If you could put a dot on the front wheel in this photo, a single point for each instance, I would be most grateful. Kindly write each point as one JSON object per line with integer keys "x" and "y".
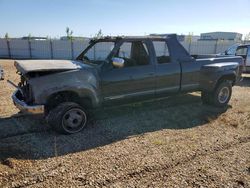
{"x": 67, "y": 118}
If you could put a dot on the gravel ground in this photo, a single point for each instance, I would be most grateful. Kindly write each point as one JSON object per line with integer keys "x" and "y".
{"x": 173, "y": 142}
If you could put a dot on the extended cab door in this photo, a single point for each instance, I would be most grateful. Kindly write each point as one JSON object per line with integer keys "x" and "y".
{"x": 168, "y": 72}
{"x": 136, "y": 78}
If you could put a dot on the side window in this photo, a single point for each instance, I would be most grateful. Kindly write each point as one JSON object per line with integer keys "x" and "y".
{"x": 134, "y": 53}
{"x": 162, "y": 52}
{"x": 242, "y": 51}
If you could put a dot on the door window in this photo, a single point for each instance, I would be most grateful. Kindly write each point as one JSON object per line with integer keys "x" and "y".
{"x": 134, "y": 53}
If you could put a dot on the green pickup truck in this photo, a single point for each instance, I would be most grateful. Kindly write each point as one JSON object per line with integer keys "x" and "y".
{"x": 129, "y": 69}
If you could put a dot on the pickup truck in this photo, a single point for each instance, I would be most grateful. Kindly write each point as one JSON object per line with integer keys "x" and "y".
{"x": 242, "y": 50}
{"x": 116, "y": 70}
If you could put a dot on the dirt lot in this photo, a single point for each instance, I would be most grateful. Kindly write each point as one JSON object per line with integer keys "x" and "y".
{"x": 173, "y": 142}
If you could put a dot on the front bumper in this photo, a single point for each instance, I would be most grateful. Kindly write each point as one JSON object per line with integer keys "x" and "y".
{"x": 23, "y": 107}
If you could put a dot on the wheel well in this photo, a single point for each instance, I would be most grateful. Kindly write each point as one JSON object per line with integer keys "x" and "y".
{"x": 230, "y": 77}
{"x": 66, "y": 96}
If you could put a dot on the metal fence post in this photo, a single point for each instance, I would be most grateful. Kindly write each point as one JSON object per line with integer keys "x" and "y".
{"x": 8, "y": 46}
{"x": 189, "y": 47}
{"x": 29, "y": 42}
{"x": 215, "y": 47}
{"x": 51, "y": 49}
{"x": 72, "y": 49}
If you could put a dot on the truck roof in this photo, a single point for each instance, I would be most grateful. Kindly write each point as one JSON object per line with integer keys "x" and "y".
{"x": 177, "y": 51}
{"x": 244, "y": 45}
{"x": 109, "y": 38}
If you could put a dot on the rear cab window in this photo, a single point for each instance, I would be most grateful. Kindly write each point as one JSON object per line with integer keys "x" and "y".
{"x": 162, "y": 52}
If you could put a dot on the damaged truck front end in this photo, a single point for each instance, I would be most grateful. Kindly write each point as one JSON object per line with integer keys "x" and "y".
{"x": 23, "y": 96}
{"x": 45, "y": 80}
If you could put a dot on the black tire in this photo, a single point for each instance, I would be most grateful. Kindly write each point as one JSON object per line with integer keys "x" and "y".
{"x": 67, "y": 118}
{"x": 222, "y": 101}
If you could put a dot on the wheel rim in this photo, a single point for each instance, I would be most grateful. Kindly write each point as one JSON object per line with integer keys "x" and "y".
{"x": 74, "y": 120}
{"x": 223, "y": 95}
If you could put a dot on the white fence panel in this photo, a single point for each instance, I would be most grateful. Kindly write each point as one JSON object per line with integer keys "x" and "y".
{"x": 61, "y": 49}
{"x": 4, "y": 48}
{"x": 79, "y": 46}
{"x": 41, "y": 49}
{"x": 203, "y": 47}
{"x": 19, "y": 48}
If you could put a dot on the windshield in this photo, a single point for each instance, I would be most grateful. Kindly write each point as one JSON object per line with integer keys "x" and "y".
{"x": 99, "y": 52}
{"x": 232, "y": 50}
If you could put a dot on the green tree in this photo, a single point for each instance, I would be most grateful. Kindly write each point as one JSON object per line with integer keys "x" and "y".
{"x": 98, "y": 35}
{"x": 6, "y": 36}
{"x": 29, "y": 36}
{"x": 247, "y": 37}
{"x": 189, "y": 37}
{"x": 69, "y": 33}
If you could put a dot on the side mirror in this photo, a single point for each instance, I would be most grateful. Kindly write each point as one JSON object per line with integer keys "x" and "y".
{"x": 117, "y": 62}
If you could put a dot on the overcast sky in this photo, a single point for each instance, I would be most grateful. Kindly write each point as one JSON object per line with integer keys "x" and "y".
{"x": 122, "y": 17}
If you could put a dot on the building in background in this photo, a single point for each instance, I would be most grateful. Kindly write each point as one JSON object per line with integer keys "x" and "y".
{"x": 73, "y": 37}
{"x": 34, "y": 38}
{"x": 232, "y": 36}
{"x": 180, "y": 38}
{"x": 26, "y": 38}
